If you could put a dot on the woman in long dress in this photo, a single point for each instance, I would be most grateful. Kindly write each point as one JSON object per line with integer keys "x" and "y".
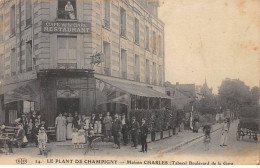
{"x": 60, "y": 124}
{"x": 69, "y": 126}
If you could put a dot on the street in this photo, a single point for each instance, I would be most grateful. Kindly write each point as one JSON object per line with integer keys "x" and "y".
{"x": 235, "y": 151}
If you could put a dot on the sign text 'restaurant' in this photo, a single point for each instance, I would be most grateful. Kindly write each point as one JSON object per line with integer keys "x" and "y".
{"x": 66, "y": 27}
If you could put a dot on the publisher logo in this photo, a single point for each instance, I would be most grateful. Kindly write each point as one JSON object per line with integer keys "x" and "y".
{"x": 21, "y": 161}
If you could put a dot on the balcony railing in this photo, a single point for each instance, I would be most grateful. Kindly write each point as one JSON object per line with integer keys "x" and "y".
{"x": 124, "y": 75}
{"x": 107, "y": 71}
{"x": 107, "y": 23}
{"x": 62, "y": 14}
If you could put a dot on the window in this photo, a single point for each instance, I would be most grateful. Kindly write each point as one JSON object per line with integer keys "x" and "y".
{"x": 28, "y": 12}
{"x": 154, "y": 42}
{"x": 67, "y": 9}
{"x": 137, "y": 68}
{"x": 67, "y": 47}
{"x": 12, "y": 20}
{"x": 136, "y": 31}
{"x": 160, "y": 45}
{"x": 1, "y": 28}
{"x": 147, "y": 70}
{"x": 147, "y": 40}
{"x": 29, "y": 55}
{"x": 154, "y": 74}
{"x": 13, "y": 62}
{"x": 107, "y": 14}
{"x": 123, "y": 22}
{"x": 107, "y": 70}
{"x": 168, "y": 93}
{"x": 160, "y": 75}
{"x": 124, "y": 64}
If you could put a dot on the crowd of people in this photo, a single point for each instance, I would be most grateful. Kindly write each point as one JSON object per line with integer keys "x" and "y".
{"x": 31, "y": 130}
{"x": 82, "y": 129}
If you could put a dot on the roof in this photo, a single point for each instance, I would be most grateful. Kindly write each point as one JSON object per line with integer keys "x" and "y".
{"x": 133, "y": 89}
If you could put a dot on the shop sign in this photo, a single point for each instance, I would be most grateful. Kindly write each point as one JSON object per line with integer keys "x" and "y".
{"x": 68, "y": 83}
{"x": 66, "y": 27}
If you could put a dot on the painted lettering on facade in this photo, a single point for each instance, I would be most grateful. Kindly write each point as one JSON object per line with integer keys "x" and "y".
{"x": 66, "y": 27}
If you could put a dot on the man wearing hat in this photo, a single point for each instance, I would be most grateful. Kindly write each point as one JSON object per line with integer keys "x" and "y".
{"x": 19, "y": 135}
{"x": 42, "y": 140}
{"x": 135, "y": 132}
{"x": 116, "y": 130}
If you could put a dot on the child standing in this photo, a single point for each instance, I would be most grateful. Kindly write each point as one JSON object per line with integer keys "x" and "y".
{"x": 42, "y": 140}
{"x": 75, "y": 138}
{"x": 81, "y": 138}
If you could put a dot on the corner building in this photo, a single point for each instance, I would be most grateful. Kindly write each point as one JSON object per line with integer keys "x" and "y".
{"x": 47, "y": 49}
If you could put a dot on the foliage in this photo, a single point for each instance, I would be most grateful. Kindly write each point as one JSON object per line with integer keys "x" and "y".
{"x": 234, "y": 95}
{"x": 156, "y": 119}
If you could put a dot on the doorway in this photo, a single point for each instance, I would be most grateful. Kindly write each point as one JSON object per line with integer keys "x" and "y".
{"x": 68, "y": 105}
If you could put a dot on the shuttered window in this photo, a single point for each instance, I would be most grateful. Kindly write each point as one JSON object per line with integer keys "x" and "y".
{"x": 28, "y": 12}
{"x": 136, "y": 31}
{"x": 67, "y": 47}
{"x": 29, "y": 56}
{"x": 12, "y": 20}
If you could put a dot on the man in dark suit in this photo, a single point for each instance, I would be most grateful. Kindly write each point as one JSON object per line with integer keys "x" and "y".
{"x": 144, "y": 132}
{"x": 18, "y": 136}
{"x": 135, "y": 132}
{"x": 116, "y": 130}
{"x": 125, "y": 129}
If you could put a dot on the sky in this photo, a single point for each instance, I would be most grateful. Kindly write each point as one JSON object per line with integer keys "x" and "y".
{"x": 212, "y": 39}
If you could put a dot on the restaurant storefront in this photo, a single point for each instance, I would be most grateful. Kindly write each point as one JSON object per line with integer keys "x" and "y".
{"x": 49, "y": 92}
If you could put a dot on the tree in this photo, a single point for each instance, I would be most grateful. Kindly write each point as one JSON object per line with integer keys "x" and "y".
{"x": 255, "y": 95}
{"x": 234, "y": 94}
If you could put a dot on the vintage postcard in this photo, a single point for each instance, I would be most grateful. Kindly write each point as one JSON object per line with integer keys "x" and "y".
{"x": 129, "y": 82}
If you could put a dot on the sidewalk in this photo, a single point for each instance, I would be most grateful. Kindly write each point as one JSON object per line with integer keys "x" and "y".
{"x": 158, "y": 147}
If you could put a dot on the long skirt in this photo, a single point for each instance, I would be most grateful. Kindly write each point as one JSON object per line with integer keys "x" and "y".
{"x": 69, "y": 131}
{"x": 61, "y": 133}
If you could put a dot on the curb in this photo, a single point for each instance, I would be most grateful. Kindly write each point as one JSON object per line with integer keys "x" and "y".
{"x": 184, "y": 143}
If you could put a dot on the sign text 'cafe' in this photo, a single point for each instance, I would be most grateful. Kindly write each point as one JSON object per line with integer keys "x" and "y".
{"x": 66, "y": 27}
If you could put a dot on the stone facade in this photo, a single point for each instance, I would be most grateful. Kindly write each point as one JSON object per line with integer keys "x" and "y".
{"x": 26, "y": 47}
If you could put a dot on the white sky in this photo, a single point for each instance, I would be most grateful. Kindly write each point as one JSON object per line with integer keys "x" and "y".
{"x": 215, "y": 39}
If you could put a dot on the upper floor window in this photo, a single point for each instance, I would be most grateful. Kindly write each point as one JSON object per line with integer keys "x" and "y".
{"x": 107, "y": 14}
{"x": 28, "y": 12}
{"x": 136, "y": 31}
{"x": 147, "y": 40}
{"x": 13, "y": 62}
{"x": 29, "y": 55}
{"x": 12, "y": 20}
{"x": 123, "y": 22}
{"x": 154, "y": 42}
{"x": 67, "y": 9}
{"x": 160, "y": 45}
{"x": 1, "y": 28}
{"x": 67, "y": 48}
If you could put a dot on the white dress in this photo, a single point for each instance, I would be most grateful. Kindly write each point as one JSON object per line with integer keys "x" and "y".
{"x": 75, "y": 138}
{"x": 81, "y": 136}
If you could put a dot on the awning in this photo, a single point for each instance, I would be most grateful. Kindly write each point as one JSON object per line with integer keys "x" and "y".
{"x": 26, "y": 90}
{"x": 132, "y": 88}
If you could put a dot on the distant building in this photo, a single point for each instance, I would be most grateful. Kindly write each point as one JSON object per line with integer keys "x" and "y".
{"x": 183, "y": 95}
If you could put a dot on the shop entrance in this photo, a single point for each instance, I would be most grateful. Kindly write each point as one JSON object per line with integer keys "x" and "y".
{"x": 68, "y": 105}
